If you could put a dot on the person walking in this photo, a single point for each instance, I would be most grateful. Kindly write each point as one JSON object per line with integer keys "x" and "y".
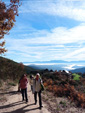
{"x": 31, "y": 82}
{"x": 37, "y": 85}
{"x": 19, "y": 89}
{"x": 23, "y": 86}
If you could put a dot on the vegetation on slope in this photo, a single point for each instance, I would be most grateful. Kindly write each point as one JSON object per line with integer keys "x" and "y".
{"x": 12, "y": 70}
{"x": 61, "y": 84}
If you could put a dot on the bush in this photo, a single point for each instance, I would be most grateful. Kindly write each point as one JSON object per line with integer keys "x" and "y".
{"x": 76, "y": 76}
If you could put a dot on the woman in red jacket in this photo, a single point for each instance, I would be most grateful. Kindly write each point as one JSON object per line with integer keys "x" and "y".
{"x": 23, "y": 86}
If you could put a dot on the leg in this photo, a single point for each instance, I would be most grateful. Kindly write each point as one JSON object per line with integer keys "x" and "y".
{"x": 26, "y": 95}
{"x": 32, "y": 89}
{"x": 40, "y": 101}
{"x": 35, "y": 97}
{"x": 22, "y": 91}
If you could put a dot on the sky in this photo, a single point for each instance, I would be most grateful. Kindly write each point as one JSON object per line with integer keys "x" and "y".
{"x": 48, "y": 30}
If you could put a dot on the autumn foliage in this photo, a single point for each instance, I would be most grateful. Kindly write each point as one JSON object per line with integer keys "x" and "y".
{"x": 66, "y": 90}
{"x": 7, "y": 19}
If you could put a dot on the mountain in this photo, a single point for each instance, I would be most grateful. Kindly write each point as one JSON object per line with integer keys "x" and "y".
{"x": 49, "y": 67}
{"x": 56, "y": 65}
{"x": 59, "y": 66}
{"x": 78, "y": 70}
{"x": 28, "y": 69}
{"x": 57, "y": 61}
{"x": 51, "y": 61}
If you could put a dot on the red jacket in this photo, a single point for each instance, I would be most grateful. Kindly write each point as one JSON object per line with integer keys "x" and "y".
{"x": 23, "y": 83}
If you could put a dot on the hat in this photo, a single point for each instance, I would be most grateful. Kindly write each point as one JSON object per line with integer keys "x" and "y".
{"x": 38, "y": 74}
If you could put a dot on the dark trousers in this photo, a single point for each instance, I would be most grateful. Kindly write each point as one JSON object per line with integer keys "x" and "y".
{"x": 35, "y": 97}
{"x": 24, "y": 94}
{"x": 32, "y": 88}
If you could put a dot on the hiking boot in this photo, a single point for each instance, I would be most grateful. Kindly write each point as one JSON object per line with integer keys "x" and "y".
{"x": 26, "y": 101}
{"x": 40, "y": 107}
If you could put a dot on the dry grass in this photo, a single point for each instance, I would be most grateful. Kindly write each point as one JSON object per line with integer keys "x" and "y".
{"x": 60, "y": 104}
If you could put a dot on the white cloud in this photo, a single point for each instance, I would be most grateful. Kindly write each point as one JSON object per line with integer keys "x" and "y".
{"x": 30, "y": 44}
{"x": 77, "y": 54}
{"x": 63, "y": 8}
{"x": 58, "y": 35}
{"x": 59, "y": 43}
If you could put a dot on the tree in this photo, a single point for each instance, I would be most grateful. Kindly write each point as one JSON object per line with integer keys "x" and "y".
{"x": 7, "y": 19}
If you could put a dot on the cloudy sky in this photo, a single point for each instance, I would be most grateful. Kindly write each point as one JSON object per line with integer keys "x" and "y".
{"x": 48, "y": 30}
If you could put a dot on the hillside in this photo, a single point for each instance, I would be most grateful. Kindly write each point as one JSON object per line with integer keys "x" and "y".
{"x": 62, "y": 92}
{"x": 79, "y": 70}
{"x": 63, "y": 84}
{"x": 12, "y": 70}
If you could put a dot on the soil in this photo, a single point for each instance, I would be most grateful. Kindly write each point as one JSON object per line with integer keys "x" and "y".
{"x": 11, "y": 102}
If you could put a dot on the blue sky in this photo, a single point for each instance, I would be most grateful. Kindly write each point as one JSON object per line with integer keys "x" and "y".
{"x": 48, "y": 30}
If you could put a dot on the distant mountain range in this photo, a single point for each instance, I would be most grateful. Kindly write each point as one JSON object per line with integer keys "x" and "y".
{"x": 74, "y": 66}
{"x": 78, "y": 70}
{"x": 58, "y": 67}
{"x": 49, "y": 67}
{"x": 56, "y": 61}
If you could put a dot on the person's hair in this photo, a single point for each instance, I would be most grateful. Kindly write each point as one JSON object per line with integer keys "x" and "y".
{"x": 31, "y": 76}
{"x": 23, "y": 76}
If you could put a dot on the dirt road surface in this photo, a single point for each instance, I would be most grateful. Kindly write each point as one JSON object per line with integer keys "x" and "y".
{"x": 14, "y": 103}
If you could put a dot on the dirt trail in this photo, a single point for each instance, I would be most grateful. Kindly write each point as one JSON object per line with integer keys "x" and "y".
{"x": 14, "y": 103}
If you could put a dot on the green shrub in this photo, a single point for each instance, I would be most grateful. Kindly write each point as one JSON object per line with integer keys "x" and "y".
{"x": 76, "y": 76}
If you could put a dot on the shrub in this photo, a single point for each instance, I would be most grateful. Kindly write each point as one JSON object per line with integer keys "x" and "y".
{"x": 76, "y": 76}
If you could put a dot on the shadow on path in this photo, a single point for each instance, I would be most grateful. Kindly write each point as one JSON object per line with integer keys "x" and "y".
{"x": 11, "y": 105}
{"x": 20, "y": 110}
{"x": 17, "y": 108}
{"x": 11, "y": 93}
